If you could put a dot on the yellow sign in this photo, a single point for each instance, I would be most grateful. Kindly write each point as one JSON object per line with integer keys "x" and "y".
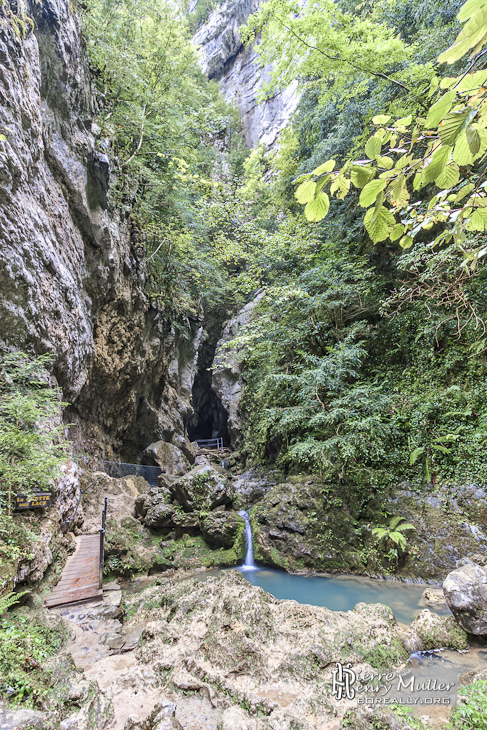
{"x": 24, "y": 501}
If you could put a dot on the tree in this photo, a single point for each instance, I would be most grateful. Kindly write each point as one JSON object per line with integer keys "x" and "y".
{"x": 446, "y": 148}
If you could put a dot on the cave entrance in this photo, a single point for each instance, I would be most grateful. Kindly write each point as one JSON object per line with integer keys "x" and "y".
{"x": 209, "y": 420}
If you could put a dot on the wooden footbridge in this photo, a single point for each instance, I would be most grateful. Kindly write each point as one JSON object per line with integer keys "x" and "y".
{"x": 82, "y": 577}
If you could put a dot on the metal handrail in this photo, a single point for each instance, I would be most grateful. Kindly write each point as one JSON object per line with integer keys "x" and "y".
{"x": 217, "y": 443}
{"x": 102, "y": 541}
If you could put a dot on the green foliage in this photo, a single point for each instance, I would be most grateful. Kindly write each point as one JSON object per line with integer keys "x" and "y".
{"x": 9, "y": 600}
{"x": 162, "y": 118}
{"x": 326, "y": 45}
{"x": 32, "y": 446}
{"x": 414, "y": 152}
{"x": 25, "y": 643}
{"x": 394, "y": 532}
{"x": 471, "y": 713}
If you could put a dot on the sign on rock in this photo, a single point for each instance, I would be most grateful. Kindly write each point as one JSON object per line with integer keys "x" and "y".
{"x": 40, "y": 499}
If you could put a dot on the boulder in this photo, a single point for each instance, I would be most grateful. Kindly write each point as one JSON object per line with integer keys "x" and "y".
{"x": 465, "y": 590}
{"x": 430, "y": 631}
{"x": 159, "y": 515}
{"x": 186, "y": 523}
{"x": 433, "y": 597}
{"x": 220, "y": 528}
{"x": 168, "y": 457}
{"x": 203, "y": 488}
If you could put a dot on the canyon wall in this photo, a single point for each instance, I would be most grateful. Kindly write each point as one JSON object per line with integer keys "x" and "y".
{"x": 241, "y": 74}
{"x": 72, "y": 283}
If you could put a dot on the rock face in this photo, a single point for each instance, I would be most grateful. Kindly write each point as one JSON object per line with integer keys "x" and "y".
{"x": 71, "y": 281}
{"x": 295, "y": 528}
{"x": 241, "y": 75}
{"x": 465, "y": 590}
{"x": 221, "y": 528}
{"x": 226, "y": 381}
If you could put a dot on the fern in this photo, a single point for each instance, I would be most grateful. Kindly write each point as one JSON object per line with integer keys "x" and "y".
{"x": 9, "y": 600}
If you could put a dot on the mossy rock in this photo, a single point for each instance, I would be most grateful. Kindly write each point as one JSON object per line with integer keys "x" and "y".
{"x": 430, "y": 631}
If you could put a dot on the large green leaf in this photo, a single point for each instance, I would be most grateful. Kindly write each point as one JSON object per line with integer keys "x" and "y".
{"x": 437, "y": 164}
{"x": 449, "y": 177}
{"x": 361, "y": 175}
{"x": 325, "y": 167}
{"x": 306, "y": 191}
{"x": 473, "y": 139}
{"x": 462, "y": 154}
{"x": 472, "y": 34}
{"x": 317, "y": 209}
{"x": 373, "y": 147}
{"x": 477, "y": 221}
{"x": 371, "y": 191}
{"x": 452, "y": 125}
{"x": 440, "y": 109}
{"x": 379, "y": 223}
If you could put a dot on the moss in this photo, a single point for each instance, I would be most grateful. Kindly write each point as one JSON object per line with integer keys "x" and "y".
{"x": 383, "y": 656}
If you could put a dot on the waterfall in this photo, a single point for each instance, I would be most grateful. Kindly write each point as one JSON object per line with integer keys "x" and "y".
{"x": 249, "y": 557}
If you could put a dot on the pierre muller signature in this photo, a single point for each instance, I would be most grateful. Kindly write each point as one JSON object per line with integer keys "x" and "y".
{"x": 346, "y": 683}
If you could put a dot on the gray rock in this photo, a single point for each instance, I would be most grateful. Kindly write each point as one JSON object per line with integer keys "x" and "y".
{"x": 168, "y": 457}
{"x": 226, "y": 370}
{"x": 220, "y": 528}
{"x": 241, "y": 75}
{"x": 71, "y": 282}
{"x": 465, "y": 590}
{"x": 20, "y": 719}
{"x": 203, "y": 488}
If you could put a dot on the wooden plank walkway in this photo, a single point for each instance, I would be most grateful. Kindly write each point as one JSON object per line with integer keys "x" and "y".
{"x": 80, "y": 577}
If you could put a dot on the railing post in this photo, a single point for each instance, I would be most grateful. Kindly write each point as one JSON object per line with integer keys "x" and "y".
{"x": 102, "y": 542}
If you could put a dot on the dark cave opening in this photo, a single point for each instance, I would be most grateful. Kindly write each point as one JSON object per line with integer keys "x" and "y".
{"x": 209, "y": 420}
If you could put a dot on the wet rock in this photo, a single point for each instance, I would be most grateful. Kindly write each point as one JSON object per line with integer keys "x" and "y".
{"x": 168, "y": 457}
{"x": 433, "y": 597}
{"x": 465, "y": 590}
{"x": 430, "y": 631}
{"x": 203, "y": 488}
{"x": 220, "y": 528}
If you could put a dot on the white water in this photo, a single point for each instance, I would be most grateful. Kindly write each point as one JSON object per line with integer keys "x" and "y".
{"x": 249, "y": 557}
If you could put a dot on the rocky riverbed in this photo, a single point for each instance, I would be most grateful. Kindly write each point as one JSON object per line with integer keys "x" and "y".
{"x": 219, "y": 653}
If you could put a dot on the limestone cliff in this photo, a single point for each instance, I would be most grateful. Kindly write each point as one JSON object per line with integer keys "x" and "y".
{"x": 71, "y": 280}
{"x": 241, "y": 74}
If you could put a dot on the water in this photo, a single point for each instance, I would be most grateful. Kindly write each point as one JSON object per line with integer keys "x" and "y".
{"x": 337, "y": 592}
{"x": 249, "y": 563}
